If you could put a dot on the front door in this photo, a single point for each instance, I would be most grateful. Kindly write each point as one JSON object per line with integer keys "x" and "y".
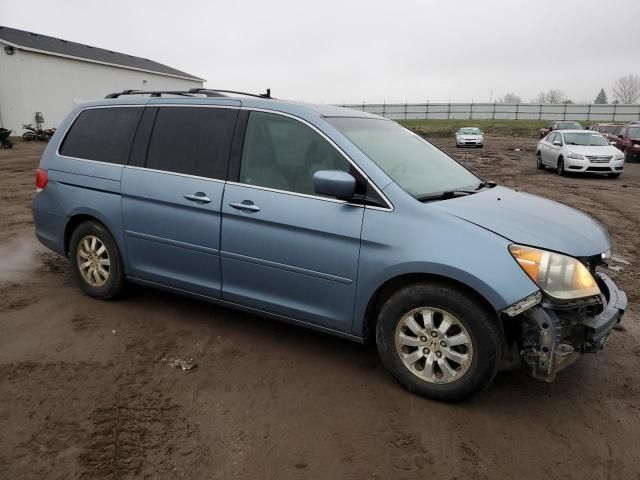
{"x": 171, "y": 198}
{"x": 284, "y": 249}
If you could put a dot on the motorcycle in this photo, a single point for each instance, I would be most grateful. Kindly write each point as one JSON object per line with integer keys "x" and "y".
{"x": 33, "y": 133}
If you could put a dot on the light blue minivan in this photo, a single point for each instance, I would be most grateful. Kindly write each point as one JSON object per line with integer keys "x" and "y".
{"x": 329, "y": 218}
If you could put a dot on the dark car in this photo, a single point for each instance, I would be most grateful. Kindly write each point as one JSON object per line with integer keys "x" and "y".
{"x": 559, "y": 125}
{"x": 610, "y": 131}
{"x": 628, "y": 141}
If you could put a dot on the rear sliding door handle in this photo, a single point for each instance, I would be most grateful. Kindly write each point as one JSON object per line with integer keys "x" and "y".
{"x": 246, "y": 205}
{"x": 199, "y": 197}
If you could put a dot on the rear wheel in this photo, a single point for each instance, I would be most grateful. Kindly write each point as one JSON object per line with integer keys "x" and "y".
{"x": 560, "y": 167}
{"x": 438, "y": 342}
{"x": 539, "y": 163}
{"x": 96, "y": 261}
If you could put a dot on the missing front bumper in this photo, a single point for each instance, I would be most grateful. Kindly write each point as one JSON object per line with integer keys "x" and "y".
{"x": 555, "y": 338}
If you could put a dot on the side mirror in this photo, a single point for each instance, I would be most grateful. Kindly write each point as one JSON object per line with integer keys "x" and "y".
{"x": 557, "y": 143}
{"x": 334, "y": 183}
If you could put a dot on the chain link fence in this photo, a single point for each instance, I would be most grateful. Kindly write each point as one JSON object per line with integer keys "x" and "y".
{"x": 501, "y": 111}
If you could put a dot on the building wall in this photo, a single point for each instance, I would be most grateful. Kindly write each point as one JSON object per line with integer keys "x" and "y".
{"x": 33, "y": 82}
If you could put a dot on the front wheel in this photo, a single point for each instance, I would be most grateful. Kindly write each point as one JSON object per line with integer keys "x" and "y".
{"x": 439, "y": 342}
{"x": 95, "y": 260}
{"x": 560, "y": 167}
{"x": 539, "y": 164}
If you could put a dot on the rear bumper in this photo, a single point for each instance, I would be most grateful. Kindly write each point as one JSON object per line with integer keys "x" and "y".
{"x": 49, "y": 227}
{"x": 555, "y": 337}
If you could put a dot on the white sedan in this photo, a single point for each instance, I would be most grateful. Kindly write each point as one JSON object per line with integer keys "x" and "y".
{"x": 579, "y": 151}
{"x": 469, "y": 137}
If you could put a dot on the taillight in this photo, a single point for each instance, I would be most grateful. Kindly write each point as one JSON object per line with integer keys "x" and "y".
{"x": 41, "y": 179}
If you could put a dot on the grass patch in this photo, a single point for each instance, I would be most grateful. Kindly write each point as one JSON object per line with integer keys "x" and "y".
{"x": 499, "y": 128}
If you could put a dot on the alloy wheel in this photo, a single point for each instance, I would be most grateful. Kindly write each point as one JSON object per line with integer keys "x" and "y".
{"x": 434, "y": 345}
{"x": 93, "y": 260}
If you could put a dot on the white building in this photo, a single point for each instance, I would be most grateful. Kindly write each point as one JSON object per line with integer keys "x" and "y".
{"x": 49, "y": 75}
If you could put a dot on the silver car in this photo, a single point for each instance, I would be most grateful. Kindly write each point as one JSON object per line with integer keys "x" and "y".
{"x": 579, "y": 151}
{"x": 469, "y": 137}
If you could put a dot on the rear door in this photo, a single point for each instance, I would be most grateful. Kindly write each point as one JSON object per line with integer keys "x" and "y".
{"x": 284, "y": 249}
{"x": 171, "y": 196}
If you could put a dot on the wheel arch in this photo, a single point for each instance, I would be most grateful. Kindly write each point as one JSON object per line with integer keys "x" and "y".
{"x": 392, "y": 285}
{"x": 80, "y": 217}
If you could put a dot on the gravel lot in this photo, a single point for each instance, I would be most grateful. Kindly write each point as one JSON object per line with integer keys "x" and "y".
{"x": 86, "y": 390}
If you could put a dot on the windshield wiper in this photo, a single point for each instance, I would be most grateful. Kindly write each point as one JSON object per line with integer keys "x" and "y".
{"x": 444, "y": 195}
{"x": 460, "y": 192}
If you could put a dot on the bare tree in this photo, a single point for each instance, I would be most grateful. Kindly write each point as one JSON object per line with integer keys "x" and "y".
{"x": 627, "y": 89}
{"x": 550, "y": 96}
{"x": 510, "y": 98}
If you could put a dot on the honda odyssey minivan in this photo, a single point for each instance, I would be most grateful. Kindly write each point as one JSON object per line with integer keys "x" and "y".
{"x": 330, "y": 218}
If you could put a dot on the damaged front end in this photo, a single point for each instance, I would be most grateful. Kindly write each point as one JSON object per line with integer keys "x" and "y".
{"x": 549, "y": 335}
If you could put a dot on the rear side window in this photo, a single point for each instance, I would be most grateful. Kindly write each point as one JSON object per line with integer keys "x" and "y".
{"x": 102, "y": 134}
{"x": 192, "y": 140}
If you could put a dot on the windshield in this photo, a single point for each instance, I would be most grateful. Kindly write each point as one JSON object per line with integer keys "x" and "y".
{"x": 413, "y": 163}
{"x": 469, "y": 131}
{"x": 634, "y": 132}
{"x": 586, "y": 139}
{"x": 569, "y": 126}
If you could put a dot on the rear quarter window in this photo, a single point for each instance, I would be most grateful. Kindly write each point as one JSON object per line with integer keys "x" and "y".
{"x": 102, "y": 134}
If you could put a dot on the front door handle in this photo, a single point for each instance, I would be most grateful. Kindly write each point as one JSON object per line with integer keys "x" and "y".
{"x": 246, "y": 205}
{"x": 199, "y": 197}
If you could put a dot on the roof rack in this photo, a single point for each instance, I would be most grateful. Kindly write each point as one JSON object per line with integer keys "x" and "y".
{"x": 267, "y": 94}
{"x": 209, "y": 92}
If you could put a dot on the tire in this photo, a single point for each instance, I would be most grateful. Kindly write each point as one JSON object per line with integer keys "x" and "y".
{"x": 86, "y": 245}
{"x": 560, "y": 167}
{"x": 469, "y": 320}
{"x": 28, "y": 136}
{"x": 539, "y": 163}
{"x": 614, "y": 175}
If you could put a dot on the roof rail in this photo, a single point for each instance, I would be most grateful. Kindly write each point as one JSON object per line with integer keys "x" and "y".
{"x": 159, "y": 93}
{"x": 209, "y": 92}
{"x": 267, "y": 94}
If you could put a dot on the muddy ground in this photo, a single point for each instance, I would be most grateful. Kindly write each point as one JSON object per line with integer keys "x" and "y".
{"x": 86, "y": 392}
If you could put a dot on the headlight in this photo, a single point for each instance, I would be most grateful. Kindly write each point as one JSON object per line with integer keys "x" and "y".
{"x": 560, "y": 276}
{"x": 619, "y": 156}
{"x": 575, "y": 155}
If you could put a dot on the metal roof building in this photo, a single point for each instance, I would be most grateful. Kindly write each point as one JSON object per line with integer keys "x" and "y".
{"x": 44, "y": 74}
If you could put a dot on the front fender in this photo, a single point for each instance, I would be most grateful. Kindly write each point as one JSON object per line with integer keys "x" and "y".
{"x": 426, "y": 241}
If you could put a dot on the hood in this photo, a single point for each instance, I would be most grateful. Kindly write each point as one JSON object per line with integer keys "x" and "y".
{"x": 593, "y": 150}
{"x": 530, "y": 220}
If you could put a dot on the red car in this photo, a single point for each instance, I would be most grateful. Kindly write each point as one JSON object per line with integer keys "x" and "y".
{"x": 610, "y": 131}
{"x": 559, "y": 125}
{"x": 629, "y": 141}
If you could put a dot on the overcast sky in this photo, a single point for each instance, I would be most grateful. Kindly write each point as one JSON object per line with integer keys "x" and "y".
{"x": 352, "y": 51}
